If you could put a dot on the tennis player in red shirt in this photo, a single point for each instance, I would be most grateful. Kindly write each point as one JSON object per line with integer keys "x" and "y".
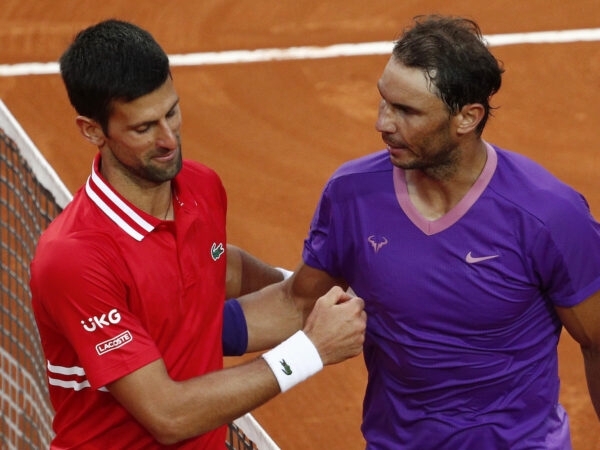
{"x": 129, "y": 282}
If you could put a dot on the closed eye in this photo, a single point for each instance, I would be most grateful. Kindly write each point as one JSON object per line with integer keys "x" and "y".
{"x": 146, "y": 126}
{"x": 143, "y": 128}
{"x": 404, "y": 108}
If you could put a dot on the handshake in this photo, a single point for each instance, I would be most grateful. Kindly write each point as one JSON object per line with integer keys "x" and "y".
{"x": 334, "y": 331}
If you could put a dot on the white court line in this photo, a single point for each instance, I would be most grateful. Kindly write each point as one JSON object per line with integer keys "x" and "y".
{"x": 309, "y": 52}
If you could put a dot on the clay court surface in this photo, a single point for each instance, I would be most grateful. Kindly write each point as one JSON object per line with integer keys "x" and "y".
{"x": 276, "y": 130}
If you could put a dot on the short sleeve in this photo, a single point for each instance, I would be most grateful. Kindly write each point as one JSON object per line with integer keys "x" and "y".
{"x": 80, "y": 286}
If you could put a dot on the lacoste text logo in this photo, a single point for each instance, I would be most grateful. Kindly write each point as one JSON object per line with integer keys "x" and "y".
{"x": 286, "y": 368}
{"x": 377, "y": 243}
{"x": 216, "y": 251}
{"x": 473, "y": 259}
{"x": 112, "y": 344}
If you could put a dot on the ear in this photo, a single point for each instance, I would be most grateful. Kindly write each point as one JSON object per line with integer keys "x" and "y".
{"x": 469, "y": 117}
{"x": 90, "y": 130}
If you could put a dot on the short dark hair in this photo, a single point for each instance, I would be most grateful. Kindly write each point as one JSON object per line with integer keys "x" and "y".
{"x": 112, "y": 60}
{"x": 455, "y": 58}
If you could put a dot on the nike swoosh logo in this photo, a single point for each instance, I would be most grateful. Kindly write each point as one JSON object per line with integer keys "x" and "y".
{"x": 475, "y": 259}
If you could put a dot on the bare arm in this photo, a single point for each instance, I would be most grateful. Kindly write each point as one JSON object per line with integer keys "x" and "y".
{"x": 246, "y": 273}
{"x": 173, "y": 411}
{"x": 308, "y": 284}
{"x": 583, "y": 323}
{"x": 290, "y": 302}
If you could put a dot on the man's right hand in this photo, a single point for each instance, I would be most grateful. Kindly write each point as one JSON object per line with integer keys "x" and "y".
{"x": 336, "y": 326}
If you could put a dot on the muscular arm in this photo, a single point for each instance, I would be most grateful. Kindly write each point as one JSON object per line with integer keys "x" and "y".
{"x": 173, "y": 411}
{"x": 246, "y": 273}
{"x": 290, "y": 302}
{"x": 583, "y": 323}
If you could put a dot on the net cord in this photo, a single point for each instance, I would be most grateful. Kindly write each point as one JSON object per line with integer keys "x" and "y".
{"x": 42, "y": 169}
{"x": 251, "y": 428}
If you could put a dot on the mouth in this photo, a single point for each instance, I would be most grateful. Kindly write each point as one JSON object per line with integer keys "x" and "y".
{"x": 167, "y": 157}
{"x": 399, "y": 152}
{"x": 392, "y": 144}
{"x": 395, "y": 148}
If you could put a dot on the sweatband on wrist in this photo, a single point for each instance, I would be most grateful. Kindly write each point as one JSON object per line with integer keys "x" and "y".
{"x": 286, "y": 273}
{"x": 294, "y": 360}
{"x": 235, "y": 329}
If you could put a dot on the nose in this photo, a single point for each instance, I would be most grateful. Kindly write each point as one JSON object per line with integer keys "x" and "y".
{"x": 167, "y": 136}
{"x": 385, "y": 123}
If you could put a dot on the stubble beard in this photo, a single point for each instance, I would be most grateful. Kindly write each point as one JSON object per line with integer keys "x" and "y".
{"x": 159, "y": 173}
{"x": 441, "y": 165}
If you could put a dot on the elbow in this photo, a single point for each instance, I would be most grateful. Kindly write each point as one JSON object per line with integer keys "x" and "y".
{"x": 166, "y": 432}
{"x": 590, "y": 350}
{"x": 169, "y": 433}
{"x": 170, "y": 428}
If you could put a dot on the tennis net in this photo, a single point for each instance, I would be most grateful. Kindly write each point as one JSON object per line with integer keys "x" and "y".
{"x": 31, "y": 195}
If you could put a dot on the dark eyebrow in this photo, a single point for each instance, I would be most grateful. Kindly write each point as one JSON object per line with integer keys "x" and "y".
{"x": 405, "y": 108}
{"x": 401, "y": 106}
{"x": 175, "y": 103}
{"x": 150, "y": 122}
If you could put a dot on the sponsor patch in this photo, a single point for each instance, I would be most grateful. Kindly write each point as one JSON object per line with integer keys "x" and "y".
{"x": 105, "y": 320}
{"x": 112, "y": 344}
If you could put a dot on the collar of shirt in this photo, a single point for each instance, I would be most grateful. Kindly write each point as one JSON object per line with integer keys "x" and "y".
{"x": 132, "y": 220}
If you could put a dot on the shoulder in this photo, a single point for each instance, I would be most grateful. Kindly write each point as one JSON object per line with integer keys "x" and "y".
{"x": 372, "y": 163}
{"x": 524, "y": 173}
{"x": 66, "y": 267}
{"x": 198, "y": 177}
{"x": 361, "y": 173}
{"x": 529, "y": 186}
{"x": 66, "y": 256}
{"x": 77, "y": 238}
{"x": 195, "y": 169}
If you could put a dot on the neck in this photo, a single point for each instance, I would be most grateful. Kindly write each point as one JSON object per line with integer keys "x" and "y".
{"x": 156, "y": 202}
{"x": 169, "y": 215}
{"x": 151, "y": 197}
{"x": 434, "y": 195}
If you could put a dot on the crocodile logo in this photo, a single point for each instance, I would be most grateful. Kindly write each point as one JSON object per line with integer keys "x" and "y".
{"x": 216, "y": 251}
{"x": 286, "y": 368}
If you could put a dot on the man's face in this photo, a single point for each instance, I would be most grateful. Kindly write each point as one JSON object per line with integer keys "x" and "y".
{"x": 143, "y": 139}
{"x": 414, "y": 122}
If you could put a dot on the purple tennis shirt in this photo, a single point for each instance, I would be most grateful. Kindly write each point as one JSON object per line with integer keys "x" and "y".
{"x": 461, "y": 346}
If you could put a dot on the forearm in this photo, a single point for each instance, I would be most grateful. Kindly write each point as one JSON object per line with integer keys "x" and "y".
{"x": 179, "y": 410}
{"x": 275, "y": 312}
{"x": 220, "y": 397}
{"x": 591, "y": 358}
{"x": 582, "y": 321}
{"x": 271, "y": 316}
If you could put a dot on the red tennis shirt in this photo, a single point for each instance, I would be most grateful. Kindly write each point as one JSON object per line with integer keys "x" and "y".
{"x": 114, "y": 289}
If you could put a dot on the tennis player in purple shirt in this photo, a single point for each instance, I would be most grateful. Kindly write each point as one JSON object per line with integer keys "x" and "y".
{"x": 470, "y": 259}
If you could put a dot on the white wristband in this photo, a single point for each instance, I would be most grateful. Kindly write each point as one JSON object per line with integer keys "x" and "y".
{"x": 286, "y": 273}
{"x": 294, "y": 360}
